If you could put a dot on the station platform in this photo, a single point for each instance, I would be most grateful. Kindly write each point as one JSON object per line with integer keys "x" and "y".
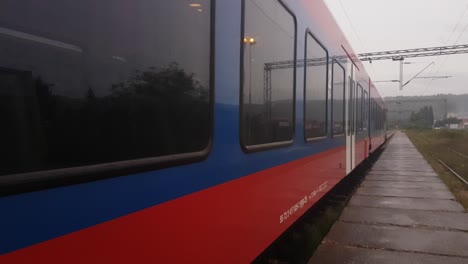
{"x": 402, "y": 213}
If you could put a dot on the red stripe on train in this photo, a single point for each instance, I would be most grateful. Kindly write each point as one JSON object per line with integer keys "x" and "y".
{"x": 228, "y": 223}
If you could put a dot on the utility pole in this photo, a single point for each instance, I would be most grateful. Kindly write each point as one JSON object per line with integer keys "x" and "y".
{"x": 401, "y": 74}
{"x": 401, "y": 59}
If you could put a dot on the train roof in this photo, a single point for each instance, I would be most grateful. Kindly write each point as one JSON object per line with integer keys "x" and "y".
{"x": 323, "y": 25}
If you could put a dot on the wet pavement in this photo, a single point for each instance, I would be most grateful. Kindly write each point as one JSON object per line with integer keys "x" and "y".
{"x": 401, "y": 213}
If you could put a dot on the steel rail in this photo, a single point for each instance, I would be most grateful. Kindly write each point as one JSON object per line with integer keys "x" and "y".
{"x": 456, "y": 152}
{"x": 453, "y": 172}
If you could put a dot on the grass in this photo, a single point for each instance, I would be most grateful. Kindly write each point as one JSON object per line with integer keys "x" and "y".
{"x": 440, "y": 144}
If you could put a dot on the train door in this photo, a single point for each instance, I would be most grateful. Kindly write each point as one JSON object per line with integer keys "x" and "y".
{"x": 351, "y": 120}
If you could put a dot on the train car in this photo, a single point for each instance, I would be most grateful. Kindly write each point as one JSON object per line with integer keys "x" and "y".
{"x": 172, "y": 131}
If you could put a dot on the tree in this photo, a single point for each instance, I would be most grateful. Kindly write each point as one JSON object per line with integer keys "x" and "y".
{"x": 424, "y": 118}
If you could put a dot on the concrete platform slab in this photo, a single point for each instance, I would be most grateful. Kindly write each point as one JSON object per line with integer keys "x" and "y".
{"x": 406, "y": 203}
{"x": 383, "y": 177}
{"x": 405, "y": 184}
{"x": 334, "y": 254}
{"x": 401, "y": 213}
{"x": 435, "y": 242}
{"x": 399, "y": 158}
{"x": 404, "y": 217}
{"x": 402, "y": 163}
{"x": 396, "y": 164}
{"x": 402, "y": 157}
{"x": 405, "y": 169}
{"x": 396, "y": 168}
{"x": 403, "y": 173}
{"x": 405, "y": 192}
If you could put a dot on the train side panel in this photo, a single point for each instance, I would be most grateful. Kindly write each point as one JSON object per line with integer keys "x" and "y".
{"x": 206, "y": 210}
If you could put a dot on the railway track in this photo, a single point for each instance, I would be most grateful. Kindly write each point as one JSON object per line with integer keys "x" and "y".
{"x": 453, "y": 172}
{"x": 458, "y": 153}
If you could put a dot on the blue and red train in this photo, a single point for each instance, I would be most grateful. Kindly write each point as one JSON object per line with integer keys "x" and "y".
{"x": 172, "y": 131}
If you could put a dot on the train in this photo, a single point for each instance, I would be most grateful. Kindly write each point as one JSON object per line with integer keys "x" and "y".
{"x": 190, "y": 131}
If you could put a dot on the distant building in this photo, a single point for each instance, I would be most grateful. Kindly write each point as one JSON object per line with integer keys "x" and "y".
{"x": 464, "y": 122}
{"x": 400, "y": 108}
{"x": 449, "y": 115}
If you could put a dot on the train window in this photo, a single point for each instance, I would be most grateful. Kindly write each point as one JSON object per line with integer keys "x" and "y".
{"x": 350, "y": 106}
{"x": 359, "y": 108}
{"x": 316, "y": 78}
{"x": 374, "y": 115}
{"x": 379, "y": 117}
{"x": 338, "y": 97}
{"x": 114, "y": 81}
{"x": 366, "y": 111}
{"x": 268, "y": 75}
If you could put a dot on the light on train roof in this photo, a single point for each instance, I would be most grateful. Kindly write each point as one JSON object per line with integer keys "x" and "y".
{"x": 252, "y": 41}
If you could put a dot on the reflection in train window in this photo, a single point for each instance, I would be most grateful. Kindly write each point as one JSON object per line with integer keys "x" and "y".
{"x": 338, "y": 99}
{"x": 316, "y": 68}
{"x": 267, "y": 97}
{"x": 116, "y": 80}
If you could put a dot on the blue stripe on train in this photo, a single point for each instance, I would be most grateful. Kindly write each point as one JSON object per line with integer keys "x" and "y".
{"x": 34, "y": 217}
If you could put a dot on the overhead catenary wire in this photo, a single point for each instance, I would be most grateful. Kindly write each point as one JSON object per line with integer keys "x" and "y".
{"x": 446, "y": 43}
{"x": 417, "y": 74}
{"x": 375, "y": 56}
{"x": 357, "y": 35}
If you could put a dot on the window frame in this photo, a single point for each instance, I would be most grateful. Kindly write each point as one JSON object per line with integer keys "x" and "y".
{"x": 336, "y": 62}
{"x": 308, "y": 33}
{"x": 272, "y": 145}
{"x": 45, "y": 179}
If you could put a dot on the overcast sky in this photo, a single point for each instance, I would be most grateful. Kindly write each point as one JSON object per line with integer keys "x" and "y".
{"x": 379, "y": 25}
